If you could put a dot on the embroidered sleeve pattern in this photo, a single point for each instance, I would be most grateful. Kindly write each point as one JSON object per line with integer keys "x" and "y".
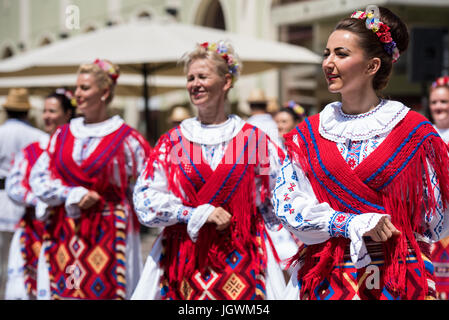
{"x": 338, "y": 224}
{"x": 155, "y": 205}
{"x": 51, "y": 191}
{"x": 15, "y": 187}
{"x": 266, "y": 208}
{"x": 297, "y": 207}
{"x": 435, "y": 219}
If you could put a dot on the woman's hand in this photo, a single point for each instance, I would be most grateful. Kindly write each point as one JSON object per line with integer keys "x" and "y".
{"x": 220, "y": 217}
{"x": 89, "y": 200}
{"x": 383, "y": 231}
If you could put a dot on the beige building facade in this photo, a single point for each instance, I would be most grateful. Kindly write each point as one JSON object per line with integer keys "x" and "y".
{"x": 28, "y": 24}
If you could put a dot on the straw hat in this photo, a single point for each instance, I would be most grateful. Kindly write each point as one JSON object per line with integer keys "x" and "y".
{"x": 257, "y": 96}
{"x": 179, "y": 114}
{"x": 273, "y": 105}
{"x": 17, "y": 100}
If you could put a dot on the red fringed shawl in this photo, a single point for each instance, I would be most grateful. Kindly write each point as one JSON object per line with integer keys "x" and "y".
{"x": 394, "y": 179}
{"x": 231, "y": 186}
{"x": 94, "y": 243}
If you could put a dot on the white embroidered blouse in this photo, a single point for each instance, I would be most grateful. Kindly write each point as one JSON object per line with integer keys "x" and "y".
{"x": 87, "y": 137}
{"x": 156, "y": 206}
{"x": 14, "y": 183}
{"x": 356, "y": 137}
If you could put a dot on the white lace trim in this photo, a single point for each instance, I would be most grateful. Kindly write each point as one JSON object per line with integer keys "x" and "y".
{"x": 339, "y": 127}
{"x": 82, "y": 130}
{"x": 211, "y": 134}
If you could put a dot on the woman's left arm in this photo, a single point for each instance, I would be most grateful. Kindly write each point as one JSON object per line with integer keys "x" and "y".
{"x": 275, "y": 157}
{"x": 436, "y": 219}
{"x": 15, "y": 182}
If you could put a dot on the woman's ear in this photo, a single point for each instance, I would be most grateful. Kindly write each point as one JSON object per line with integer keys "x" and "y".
{"x": 106, "y": 94}
{"x": 228, "y": 82}
{"x": 373, "y": 66}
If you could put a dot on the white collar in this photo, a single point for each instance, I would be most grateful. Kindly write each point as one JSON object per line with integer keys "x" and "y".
{"x": 211, "y": 134}
{"x": 444, "y": 133}
{"x": 82, "y": 130}
{"x": 43, "y": 141}
{"x": 339, "y": 127}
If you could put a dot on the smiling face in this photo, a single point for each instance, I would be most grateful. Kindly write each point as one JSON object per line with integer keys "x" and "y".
{"x": 345, "y": 65}
{"x": 439, "y": 106}
{"x": 285, "y": 122}
{"x": 54, "y": 115}
{"x": 89, "y": 96}
{"x": 206, "y": 88}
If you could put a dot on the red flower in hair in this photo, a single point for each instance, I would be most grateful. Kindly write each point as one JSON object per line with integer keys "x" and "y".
{"x": 385, "y": 38}
{"x": 205, "y": 45}
{"x": 384, "y": 34}
{"x": 383, "y": 28}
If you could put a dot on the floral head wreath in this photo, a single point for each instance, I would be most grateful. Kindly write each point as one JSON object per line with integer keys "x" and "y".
{"x": 441, "y": 82}
{"x": 108, "y": 68}
{"x": 382, "y": 31}
{"x": 296, "y": 108}
{"x": 68, "y": 94}
{"x": 223, "y": 51}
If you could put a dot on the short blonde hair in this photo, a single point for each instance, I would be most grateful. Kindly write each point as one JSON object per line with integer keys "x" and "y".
{"x": 103, "y": 78}
{"x": 222, "y": 54}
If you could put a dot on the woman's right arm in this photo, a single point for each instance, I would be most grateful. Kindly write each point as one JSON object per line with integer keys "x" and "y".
{"x": 315, "y": 222}
{"x": 156, "y": 206}
{"x": 53, "y": 191}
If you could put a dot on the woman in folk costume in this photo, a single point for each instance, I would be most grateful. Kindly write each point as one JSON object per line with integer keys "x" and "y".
{"x": 439, "y": 106}
{"x": 88, "y": 173}
{"x": 208, "y": 183}
{"x": 59, "y": 108}
{"x": 439, "y": 112}
{"x": 365, "y": 184}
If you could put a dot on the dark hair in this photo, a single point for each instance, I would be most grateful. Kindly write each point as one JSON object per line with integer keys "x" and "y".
{"x": 64, "y": 101}
{"x": 258, "y": 106}
{"x": 13, "y": 114}
{"x": 296, "y": 117}
{"x": 372, "y": 46}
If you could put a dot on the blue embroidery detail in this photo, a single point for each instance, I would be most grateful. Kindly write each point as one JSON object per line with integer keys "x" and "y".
{"x": 338, "y": 224}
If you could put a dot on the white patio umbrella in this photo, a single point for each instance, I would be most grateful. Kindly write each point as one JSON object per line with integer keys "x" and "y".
{"x": 127, "y": 84}
{"x": 150, "y": 48}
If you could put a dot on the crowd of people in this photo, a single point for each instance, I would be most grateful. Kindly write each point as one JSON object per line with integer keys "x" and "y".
{"x": 349, "y": 203}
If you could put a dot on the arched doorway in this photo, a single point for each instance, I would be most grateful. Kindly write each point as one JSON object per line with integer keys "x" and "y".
{"x": 7, "y": 52}
{"x": 210, "y": 14}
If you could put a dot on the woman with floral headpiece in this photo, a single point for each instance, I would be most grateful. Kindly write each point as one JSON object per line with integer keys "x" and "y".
{"x": 366, "y": 180}
{"x": 59, "y": 108}
{"x": 87, "y": 174}
{"x": 208, "y": 184}
{"x": 287, "y": 118}
{"x": 439, "y": 114}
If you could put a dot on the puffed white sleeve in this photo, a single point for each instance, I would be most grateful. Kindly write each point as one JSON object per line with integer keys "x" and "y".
{"x": 53, "y": 191}
{"x": 15, "y": 186}
{"x": 272, "y": 222}
{"x": 157, "y": 206}
{"x": 315, "y": 222}
{"x": 436, "y": 219}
